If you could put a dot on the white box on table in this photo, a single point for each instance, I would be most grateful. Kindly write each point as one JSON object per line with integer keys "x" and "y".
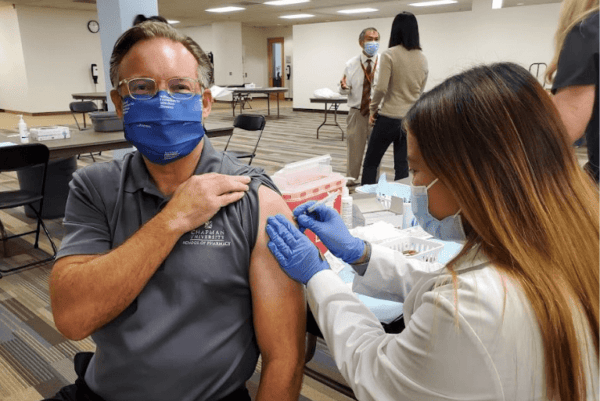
{"x": 47, "y": 133}
{"x": 372, "y": 210}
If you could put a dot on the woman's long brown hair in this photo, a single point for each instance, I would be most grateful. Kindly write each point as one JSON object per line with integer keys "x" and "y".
{"x": 493, "y": 136}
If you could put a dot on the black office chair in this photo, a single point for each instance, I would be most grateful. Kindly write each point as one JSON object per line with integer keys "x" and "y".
{"x": 83, "y": 108}
{"x": 247, "y": 122}
{"x": 20, "y": 157}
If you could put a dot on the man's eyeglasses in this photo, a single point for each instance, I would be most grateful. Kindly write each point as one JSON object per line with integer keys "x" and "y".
{"x": 146, "y": 88}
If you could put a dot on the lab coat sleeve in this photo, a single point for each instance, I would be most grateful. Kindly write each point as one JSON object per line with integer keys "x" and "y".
{"x": 390, "y": 275}
{"x": 431, "y": 359}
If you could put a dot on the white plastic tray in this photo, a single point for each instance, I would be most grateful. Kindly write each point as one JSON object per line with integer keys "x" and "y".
{"x": 427, "y": 251}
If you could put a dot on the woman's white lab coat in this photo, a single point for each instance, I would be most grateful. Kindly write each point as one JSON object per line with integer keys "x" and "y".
{"x": 495, "y": 353}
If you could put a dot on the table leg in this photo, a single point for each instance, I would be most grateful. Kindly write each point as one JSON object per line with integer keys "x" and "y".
{"x": 268, "y": 104}
{"x": 335, "y": 119}
{"x": 324, "y": 121}
{"x": 335, "y": 106}
{"x": 278, "y": 105}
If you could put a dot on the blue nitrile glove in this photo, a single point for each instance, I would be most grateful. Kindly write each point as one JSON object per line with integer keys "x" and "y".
{"x": 297, "y": 256}
{"x": 331, "y": 230}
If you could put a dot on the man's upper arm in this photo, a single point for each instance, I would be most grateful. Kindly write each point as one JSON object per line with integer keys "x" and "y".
{"x": 278, "y": 301}
{"x": 86, "y": 224}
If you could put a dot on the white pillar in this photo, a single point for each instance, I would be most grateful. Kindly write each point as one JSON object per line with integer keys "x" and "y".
{"x": 116, "y": 16}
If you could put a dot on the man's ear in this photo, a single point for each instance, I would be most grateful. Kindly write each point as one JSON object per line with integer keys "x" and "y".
{"x": 118, "y": 102}
{"x": 207, "y": 101}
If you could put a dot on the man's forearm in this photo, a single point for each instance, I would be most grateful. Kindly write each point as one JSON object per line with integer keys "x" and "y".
{"x": 280, "y": 381}
{"x": 88, "y": 292}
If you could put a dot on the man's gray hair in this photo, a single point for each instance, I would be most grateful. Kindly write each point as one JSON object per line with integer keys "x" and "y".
{"x": 155, "y": 29}
{"x": 364, "y": 32}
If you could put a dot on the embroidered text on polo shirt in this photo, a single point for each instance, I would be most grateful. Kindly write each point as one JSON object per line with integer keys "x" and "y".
{"x": 206, "y": 235}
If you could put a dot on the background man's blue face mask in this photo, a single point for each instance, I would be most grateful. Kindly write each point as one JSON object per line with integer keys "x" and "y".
{"x": 371, "y": 48}
{"x": 448, "y": 229}
{"x": 163, "y": 128}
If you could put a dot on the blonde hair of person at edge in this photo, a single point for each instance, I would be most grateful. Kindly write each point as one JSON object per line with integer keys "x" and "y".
{"x": 572, "y": 12}
{"x": 514, "y": 315}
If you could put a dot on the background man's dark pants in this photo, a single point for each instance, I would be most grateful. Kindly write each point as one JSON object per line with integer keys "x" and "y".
{"x": 81, "y": 392}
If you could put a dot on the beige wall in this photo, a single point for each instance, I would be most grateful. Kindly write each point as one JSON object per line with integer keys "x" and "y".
{"x": 51, "y": 53}
{"x": 451, "y": 42}
{"x": 13, "y": 78}
{"x": 248, "y": 63}
{"x": 256, "y": 53}
{"x": 45, "y": 54}
{"x": 58, "y": 50}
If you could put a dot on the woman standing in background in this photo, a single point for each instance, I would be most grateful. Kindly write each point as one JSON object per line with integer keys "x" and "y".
{"x": 575, "y": 85}
{"x": 402, "y": 75}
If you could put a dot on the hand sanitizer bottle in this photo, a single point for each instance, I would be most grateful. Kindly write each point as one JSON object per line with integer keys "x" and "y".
{"x": 23, "y": 133}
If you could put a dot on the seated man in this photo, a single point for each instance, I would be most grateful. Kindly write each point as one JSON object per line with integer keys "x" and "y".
{"x": 164, "y": 261}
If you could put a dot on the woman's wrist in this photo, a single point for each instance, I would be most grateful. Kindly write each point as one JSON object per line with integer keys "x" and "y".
{"x": 366, "y": 255}
{"x": 360, "y": 266}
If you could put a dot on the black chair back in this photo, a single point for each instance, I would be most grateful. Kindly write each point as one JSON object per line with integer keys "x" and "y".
{"x": 82, "y": 107}
{"x": 250, "y": 122}
{"x": 21, "y": 157}
{"x": 13, "y": 158}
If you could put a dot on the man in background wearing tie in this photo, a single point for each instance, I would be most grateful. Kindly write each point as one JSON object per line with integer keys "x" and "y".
{"x": 360, "y": 75}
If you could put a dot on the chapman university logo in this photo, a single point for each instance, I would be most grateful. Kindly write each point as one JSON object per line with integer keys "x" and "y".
{"x": 206, "y": 235}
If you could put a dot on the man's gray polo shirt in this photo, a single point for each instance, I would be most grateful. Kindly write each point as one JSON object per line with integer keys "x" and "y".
{"x": 189, "y": 334}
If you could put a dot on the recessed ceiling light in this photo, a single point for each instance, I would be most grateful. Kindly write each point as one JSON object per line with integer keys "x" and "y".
{"x": 358, "y": 11}
{"x": 284, "y": 2}
{"x": 496, "y": 4}
{"x": 172, "y": 21}
{"x": 297, "y": 16}
{"x": 224, "y": 9}
{"x": 433, "y": 3}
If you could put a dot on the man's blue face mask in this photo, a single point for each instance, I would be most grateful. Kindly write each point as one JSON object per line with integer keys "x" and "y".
{"x": 163, "y": 128}
{"x": 371, "y": 48}
{"x": 448, "y": 229}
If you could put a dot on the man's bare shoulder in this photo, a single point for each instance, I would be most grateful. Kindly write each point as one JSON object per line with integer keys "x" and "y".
{"x": 271, "y": 203}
